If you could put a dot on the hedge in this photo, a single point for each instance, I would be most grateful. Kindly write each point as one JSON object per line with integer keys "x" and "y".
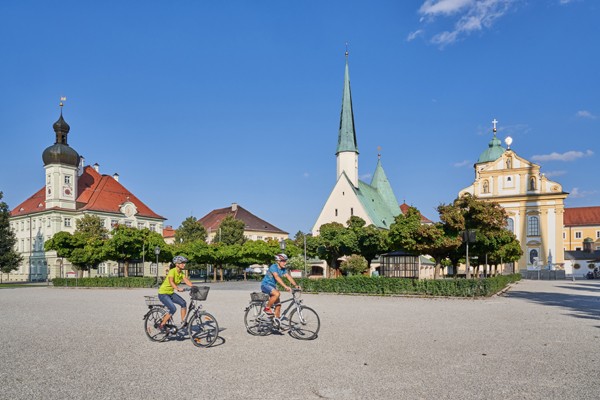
{"x": 129, "y": 282}
{"x": 400, "y": 286}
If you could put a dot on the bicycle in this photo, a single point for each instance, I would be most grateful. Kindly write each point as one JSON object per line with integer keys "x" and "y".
{"x": 201, "y": 326}
{"x": 303, "y": 322}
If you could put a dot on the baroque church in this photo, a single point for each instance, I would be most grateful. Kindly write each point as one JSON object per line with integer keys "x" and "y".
{"x": 374, "y": 202}
{"x": 534, "y": 203}
{"x": 71, "y": 191}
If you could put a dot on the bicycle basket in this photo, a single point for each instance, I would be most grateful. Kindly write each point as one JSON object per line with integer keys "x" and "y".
{"x": 259, "y": 296}
{"x": 153, "y": 301}
{"x": 199, "y": 292}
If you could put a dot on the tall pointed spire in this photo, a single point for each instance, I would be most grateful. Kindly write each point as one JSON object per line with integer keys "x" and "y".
{"x": 347, "y": 133}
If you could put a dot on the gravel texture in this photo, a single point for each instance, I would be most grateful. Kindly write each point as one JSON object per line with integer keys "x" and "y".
{"x": 539, "y": 340}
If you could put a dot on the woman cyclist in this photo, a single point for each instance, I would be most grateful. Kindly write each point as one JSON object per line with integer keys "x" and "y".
{"x": 269, "y": 284}
{"x": 166, "y": 292}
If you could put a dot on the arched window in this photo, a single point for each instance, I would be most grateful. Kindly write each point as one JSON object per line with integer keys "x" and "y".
{"x": 510, "y": 225}
{"x": 533, "y": 226}
{"x": 576, "y": 266}
{"x": 591, "y": 266}
{"x": 533, "y": 256}
{"x": 486, "y": 187}
{"x": 532, "y": 183}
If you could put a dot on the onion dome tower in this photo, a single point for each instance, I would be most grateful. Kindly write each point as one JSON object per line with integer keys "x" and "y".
{"x": 61, "y": 163}
{"x": 494, "y": 150}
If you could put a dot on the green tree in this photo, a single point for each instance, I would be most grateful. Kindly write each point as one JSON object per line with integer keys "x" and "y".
{"x": 9, "y": 258}
{"x": 354, "y": 265}
{"x": 221, "y": 254}
{"x": 370, "y": 241}
{"x": 335, "y": 241}
{"x": 126, "y": 245}
{"x": 89, "y": 242}
{"x": 230, "y": 231}
{"x": 190, "y": 231}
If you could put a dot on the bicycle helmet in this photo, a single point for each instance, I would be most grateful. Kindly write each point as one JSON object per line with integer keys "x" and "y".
{"x": 179, "y": 260}
{"x": 281, "y": 257}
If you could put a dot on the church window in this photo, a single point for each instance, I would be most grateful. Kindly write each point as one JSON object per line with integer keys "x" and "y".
{"x": 67, "y": 179}
{"x": 67, "y": 222}
{"x": 532, "y": 183}
{"x": 336, "y": 213}
{"x": 509, "y": 179}
{"x": 486, "y": 187}
{"x": 510, "y": 225}
{"x": 564, "y": 235}
{"x": 351, "y": 211}
{"x": 533, "y": 226}
{"x": 577, "y": 235}
{"x": 533, "y": 256}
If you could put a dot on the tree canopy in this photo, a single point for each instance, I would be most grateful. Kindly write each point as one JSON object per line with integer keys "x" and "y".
{"x": 9, "y": 257}
{"x": 190, "y": 231}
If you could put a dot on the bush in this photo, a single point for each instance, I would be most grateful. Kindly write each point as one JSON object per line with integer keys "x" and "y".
{"x": 354, "y": 265}
{"x": 129, "y": 282}
{"x": 400, "y": 286}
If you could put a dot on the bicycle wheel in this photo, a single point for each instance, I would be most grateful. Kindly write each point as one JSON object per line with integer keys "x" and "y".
{"x": 203, "y": 329}
{"x": 254, "y": 324}
{"x": 152, "y": 324}
{"x": 304, "y": 325}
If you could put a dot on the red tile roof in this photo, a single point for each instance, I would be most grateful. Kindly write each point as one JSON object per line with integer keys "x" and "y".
{"x": 95, "y": 192}
{"x": 168, "y": 232}
{"x": 424, "y": 220}
{"x": 212, "y": 220}
{"x": 580, "y": 216}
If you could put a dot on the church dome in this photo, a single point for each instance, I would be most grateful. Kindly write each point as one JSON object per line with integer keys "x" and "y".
{"x": 493, "y": 152}
{"x": 60, "y": 152}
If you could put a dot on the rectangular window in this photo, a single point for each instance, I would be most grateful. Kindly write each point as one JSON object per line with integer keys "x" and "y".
{"x": 577, "y": 235}
{"x": 577, "y": 248}
{"x": 141, "y": 225}
{"x": 597, "y": 234}
{"x": 22, "y": 225}
{"x": 336, "y": 212}
{"x": 33, "y": 224}
{"x": 128, "y": 224}
{"x": 533, "y": 226}
{"x": 113, "y": 223}
{"x": 48, "y": 223}
{"x": 564, "y": 235}
{"x": 351, "y": 211}
{"x": 67, "y": 179}
{"x": 67, "y": 222}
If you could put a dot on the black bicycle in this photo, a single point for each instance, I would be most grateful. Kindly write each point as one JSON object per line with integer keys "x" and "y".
{"x": 201, "y": 326}
{"x": 303, "y": 322}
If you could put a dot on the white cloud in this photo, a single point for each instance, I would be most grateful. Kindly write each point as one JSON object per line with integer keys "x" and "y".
{"x": 585, "y": 114}
{"x": 470, "y": 16}
{"x": 462, "y": 163}
{"x": 306, "y": 174}
{"x": 413, "y": 35}
{"x": 568, "y": 156}
{"x": 578, "y": 194}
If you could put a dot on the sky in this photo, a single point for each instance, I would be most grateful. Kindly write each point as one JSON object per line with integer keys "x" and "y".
{"x": 201, "y": 104}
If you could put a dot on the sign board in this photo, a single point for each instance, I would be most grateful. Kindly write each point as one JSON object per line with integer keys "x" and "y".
{"x": 71, "y": 274}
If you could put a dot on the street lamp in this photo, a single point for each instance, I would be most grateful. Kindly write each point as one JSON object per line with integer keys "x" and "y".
{"x": 468, "y": 236}
{"x": 282, "y": 244}
{"x": 157, "y": 252}
{"x": 304, "y": 237}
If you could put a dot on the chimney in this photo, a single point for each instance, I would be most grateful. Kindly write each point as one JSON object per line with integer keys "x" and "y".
{"x": 116, "y": 177}
{"x": 233, "y": 207}
{"x": 97, "y": 167}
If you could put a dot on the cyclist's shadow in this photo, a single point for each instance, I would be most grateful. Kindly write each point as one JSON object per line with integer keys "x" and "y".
{"x": 183, "y": 336}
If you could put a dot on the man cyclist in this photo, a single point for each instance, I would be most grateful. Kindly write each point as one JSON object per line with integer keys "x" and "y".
{"x": 166, "y": 291}
{"x": 269, "y": 284}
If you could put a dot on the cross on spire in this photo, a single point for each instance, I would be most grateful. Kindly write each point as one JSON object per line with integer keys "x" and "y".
{"x": 494, "y": 122}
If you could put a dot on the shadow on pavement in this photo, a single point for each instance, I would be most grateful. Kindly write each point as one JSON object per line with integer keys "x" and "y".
{"x": 579, "y": 305}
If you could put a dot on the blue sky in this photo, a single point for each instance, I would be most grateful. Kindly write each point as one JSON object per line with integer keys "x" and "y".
{"x": 199, "y": 104}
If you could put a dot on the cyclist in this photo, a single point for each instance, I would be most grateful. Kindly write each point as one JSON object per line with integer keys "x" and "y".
{"x": 166, "y": 292}
{"x": 269, "y": 284}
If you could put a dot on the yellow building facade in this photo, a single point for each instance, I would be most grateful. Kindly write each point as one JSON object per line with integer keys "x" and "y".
{"x": 534, "y": 203}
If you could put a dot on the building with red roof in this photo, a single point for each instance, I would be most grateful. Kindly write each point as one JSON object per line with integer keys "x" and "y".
{"x": 71, "y": 191}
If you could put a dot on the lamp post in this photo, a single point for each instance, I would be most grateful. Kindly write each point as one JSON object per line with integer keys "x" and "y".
{"x": 282, "y": 244}
{"x": 468, "y": 237}
{"x": 304, "y": 237}
{"x": 157, "y": 252}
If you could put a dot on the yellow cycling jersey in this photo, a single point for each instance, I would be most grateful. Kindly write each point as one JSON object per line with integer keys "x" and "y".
{"x": 166, "y": 287}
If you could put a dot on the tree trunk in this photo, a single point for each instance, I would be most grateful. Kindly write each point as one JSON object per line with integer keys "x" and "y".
{"x": 221, "y": 274}
{"x": 436, "y": 271}
{"x": 126, "y": 269}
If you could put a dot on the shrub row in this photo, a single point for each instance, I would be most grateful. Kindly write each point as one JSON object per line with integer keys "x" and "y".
{"x": 399, "y": 286}
{"x": 129, "y": 282}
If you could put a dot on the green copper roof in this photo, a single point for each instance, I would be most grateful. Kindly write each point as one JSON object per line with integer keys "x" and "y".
{"x": 381, "y": 183}
{"x": 493, "y": 152}
{"x": 347, "y": 134}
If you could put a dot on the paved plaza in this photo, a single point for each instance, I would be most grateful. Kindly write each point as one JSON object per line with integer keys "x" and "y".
{"x": 541, "y": 340}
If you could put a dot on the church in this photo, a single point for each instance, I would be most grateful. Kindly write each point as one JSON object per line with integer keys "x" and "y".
{"x": 374, "y": 202}
{"x": 71, "y": 191}
{"x": 534, "y": 203}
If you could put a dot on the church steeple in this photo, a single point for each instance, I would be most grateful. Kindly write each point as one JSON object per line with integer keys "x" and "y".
{"x": 347, "y": 150}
